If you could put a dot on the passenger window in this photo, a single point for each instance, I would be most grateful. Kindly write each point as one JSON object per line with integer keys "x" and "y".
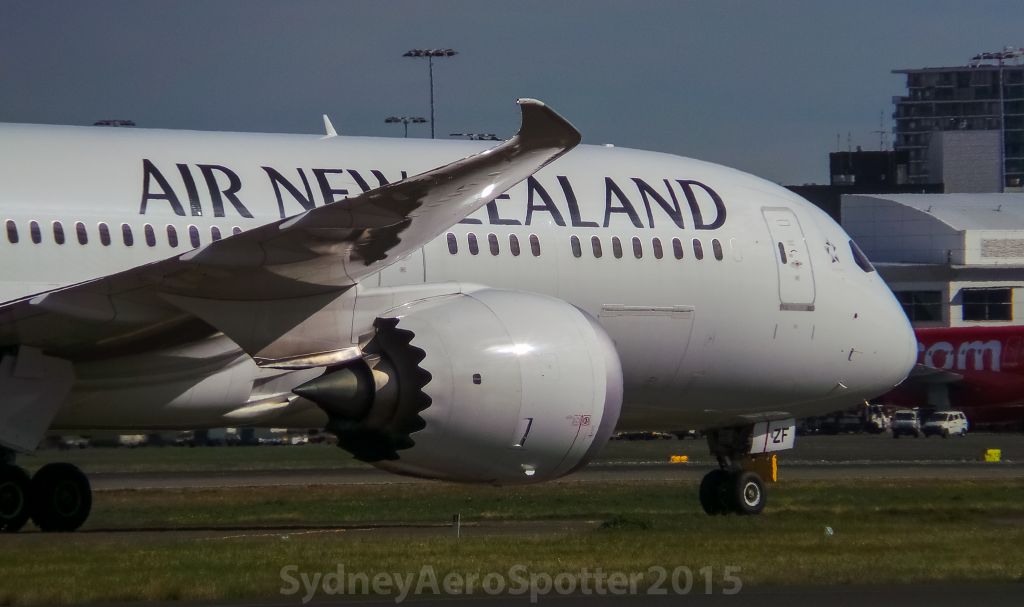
{"x": 12, "y": 232}
{"x": 147, "y": 230}
{"x": 677, "y": 248}
{"x": 782, "y": 253}
{"x": 58, "y": 232}
{"x": 595, "y": 242}
{"x": 126, "y": 235}
{"x": 616, "y": 247}
{"x": 658, "y": 251}
{"x": 698, "y": 249}
{"x": 577, "y": 251}
{"x": 453, "y": 243}
{"x": 33, "y": 228}
{"x": 474, "y": 248}
{"x": 534, "y": 245}
{"x": 236, "y": 230}
{"x": 193, "y": 235}
{"x": 172, "y": 236}
{"x": 104, "y": 234}
{"x": 215, "y": 233}
{"x": 638, "y": 249}
{"x": 716, "y": 247}
{"x": 513, "y": 245}
{"x": 492, "y": 244}
{"x": 82, "y": 233}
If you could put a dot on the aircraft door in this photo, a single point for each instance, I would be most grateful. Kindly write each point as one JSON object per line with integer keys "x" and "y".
{"x": 792, "y": 259}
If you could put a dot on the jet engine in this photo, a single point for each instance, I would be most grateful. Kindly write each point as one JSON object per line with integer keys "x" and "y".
{"x": 493, "y": 386}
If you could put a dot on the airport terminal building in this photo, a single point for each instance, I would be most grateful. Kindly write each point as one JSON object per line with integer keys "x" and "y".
{"x": 951, "y": 259}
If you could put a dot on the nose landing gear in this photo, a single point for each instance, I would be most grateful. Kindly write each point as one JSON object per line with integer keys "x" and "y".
{"x": 731, "y": 488}
{"x": 740, "y": 492}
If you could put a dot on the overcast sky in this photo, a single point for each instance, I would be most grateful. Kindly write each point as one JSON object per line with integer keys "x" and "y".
{"x": 762, "y": 86}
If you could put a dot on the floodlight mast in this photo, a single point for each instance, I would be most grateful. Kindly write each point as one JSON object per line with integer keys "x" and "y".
{"x": 430, "y": 54}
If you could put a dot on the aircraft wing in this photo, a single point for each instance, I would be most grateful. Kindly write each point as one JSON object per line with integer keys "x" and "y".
{"x": 314, "y": 255}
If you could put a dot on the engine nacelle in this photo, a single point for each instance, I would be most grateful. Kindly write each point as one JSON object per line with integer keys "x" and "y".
{"x": 493, "y": 386}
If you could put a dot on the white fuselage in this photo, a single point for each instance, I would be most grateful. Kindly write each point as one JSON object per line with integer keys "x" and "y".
{"x": 775, "y": 318}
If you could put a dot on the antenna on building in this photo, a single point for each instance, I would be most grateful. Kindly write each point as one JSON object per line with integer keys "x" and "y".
{"x": 849, "y": 142}
{"x": 881, "y": 131}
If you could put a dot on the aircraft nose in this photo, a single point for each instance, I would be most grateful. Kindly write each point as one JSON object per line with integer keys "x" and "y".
{"x": 902, "y": 343}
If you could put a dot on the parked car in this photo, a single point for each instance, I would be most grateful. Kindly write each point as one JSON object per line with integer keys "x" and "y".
{"x": 945, "y": 423}
{"x": 905, "y": 421}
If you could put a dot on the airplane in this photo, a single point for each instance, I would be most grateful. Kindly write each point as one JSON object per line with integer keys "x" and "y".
{"x": 977, "y": 370}
{"x": 448, "y": 310}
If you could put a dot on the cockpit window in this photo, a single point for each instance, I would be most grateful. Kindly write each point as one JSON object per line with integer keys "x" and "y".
{"x": 861, "y": 258}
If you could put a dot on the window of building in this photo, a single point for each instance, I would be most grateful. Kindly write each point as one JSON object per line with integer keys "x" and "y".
{"x": 453, "y": 243}
{"x": 716, "y": 248}
{"x": 193, "y": 235}
{"x": 215, "y": 233}
{"x": 638, "y": 249}
{"x": 595, "y": 243}
{"x": 126, "y": 235}
{"x": 104, "y": 234}
{"x": 492, "y": 244}
{"x": 577, "y": 250}
{"x": 616, "y": 247}
{"x": 150, "y": 235}
{"x": 474, "y": 247}
{"x": 513, "y": 245}
{"x": 987, "y": 304}
{"x": 534, "y": 245}
{"x": 12, "y": 232}
{"x": 921, "y": 306}
{"x": 33, "y": 229}
{"x": 172, "y": 236}
{"x": 698, "y": 250}
{"x": 677, "y": 248}
{"x": 58, "y": 232}
{"x": 658, "y": 251}
{"x": 81, "y": 233}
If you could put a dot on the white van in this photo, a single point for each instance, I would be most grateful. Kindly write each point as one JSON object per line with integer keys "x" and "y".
{"x": 946, "y": 423}
{"x": 905, "y": 421}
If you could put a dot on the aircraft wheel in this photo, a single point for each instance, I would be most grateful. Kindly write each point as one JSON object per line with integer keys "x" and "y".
{"x": 61, "y": 498}
{"x": 749, "y": 493}
{"x": 714, "y": 492}
{"x": 14, "y": 498}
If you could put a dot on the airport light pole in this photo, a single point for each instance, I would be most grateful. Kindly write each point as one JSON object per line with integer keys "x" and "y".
{"x": 430, "y": 54}
{"x": 406, "y": 121}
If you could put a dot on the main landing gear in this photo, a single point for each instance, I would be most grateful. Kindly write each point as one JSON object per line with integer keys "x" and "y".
{"x": 730, "y": 488}
{"x": 57, "y": 497}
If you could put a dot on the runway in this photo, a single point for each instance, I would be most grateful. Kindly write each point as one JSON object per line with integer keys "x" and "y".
{"x": 845, "y": 457}
{"x": 592, "y": 473}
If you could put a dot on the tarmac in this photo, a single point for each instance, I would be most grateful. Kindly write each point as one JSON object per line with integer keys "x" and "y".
{"x": 846, "y": 457}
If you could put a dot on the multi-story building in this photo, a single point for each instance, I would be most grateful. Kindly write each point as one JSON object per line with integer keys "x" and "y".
{"x": 985, "y": 95}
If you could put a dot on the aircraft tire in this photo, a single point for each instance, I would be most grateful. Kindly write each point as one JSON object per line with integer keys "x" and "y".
{"x": 715, "y": 494}
{"x": 61, "y": 498}
{"x": 14, "y": 498}
{"x": 749, "y": 496}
